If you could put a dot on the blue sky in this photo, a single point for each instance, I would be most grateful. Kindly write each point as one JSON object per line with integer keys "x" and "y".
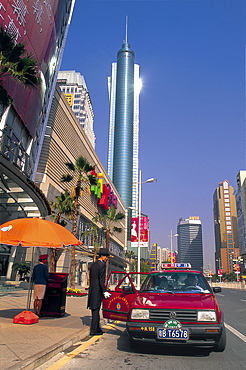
{"x": 192, "y": 104}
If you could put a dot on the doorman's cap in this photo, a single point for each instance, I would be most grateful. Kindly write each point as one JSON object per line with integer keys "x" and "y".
{"x": 104, "y": 252}
{"x": 43, "y": 257}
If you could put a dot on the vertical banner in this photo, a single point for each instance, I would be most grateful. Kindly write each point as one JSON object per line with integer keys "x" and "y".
{"x": 144, "y": 231}
{"x": 173, "y": 257}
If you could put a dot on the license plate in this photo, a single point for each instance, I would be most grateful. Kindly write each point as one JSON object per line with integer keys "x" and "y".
{"x": 182, "y": 334}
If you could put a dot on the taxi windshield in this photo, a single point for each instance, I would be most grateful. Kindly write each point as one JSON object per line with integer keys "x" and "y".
{"x": 174, "y": 282}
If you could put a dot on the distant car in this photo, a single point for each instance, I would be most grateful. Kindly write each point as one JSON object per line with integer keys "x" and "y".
{"x": 173, "y": 306}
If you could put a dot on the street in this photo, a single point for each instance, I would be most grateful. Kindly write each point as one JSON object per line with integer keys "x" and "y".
{"x": 112, "y": 350}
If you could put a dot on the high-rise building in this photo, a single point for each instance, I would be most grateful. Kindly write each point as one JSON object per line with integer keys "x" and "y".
{"x": 73, "y": 86}
{"x": 42, "y": 28}
{"x": 62, "y": 139}
{"x": 190, "y": 248}
{"x": 165, "y": 254}
{"x": 225, "y": 227}
{"x": 123, "y": 149}
{"x": 241, "y": 212}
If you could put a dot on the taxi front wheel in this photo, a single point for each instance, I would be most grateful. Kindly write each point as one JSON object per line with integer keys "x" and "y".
{"x": 221, "y": 345}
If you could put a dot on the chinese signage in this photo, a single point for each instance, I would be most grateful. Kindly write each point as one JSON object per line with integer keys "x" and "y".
{"x": 103, "y": 192}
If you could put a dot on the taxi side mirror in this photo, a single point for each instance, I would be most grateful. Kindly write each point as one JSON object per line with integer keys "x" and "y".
{"x": 127, "y": 289}
{"x": 217, "y": 289}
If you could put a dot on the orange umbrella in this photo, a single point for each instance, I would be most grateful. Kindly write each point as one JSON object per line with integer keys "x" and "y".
{"x": 36, "y": 232}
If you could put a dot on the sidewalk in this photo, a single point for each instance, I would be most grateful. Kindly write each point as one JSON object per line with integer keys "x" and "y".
{"x": 29, "y": 346}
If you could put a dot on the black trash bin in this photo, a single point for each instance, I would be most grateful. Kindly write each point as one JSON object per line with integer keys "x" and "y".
{"x": 54, "y": 301}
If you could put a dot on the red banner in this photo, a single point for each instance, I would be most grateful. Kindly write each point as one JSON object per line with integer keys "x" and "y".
{"x": 144, "y": 230}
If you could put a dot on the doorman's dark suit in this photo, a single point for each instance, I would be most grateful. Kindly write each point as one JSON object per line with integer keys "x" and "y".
{"x": 96, "y": 290}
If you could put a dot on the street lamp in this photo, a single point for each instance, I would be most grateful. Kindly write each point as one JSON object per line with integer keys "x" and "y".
{"x": 171, "y": 242}
{"x": 140, "y": 182}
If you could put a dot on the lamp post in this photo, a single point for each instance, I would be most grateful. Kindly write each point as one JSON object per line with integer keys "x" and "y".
{"x": 171, "y": 242}
{"x": 152, "y": 179}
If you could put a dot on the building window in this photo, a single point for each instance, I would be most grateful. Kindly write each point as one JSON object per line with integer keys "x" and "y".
{"x": 227, "y": 209}
{"x": 225, "y": 185}
{"x": 227, "y": 213}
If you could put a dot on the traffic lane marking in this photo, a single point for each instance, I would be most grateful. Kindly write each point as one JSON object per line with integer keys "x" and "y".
{"x": 65, "y": 359}
{"x": 243, "y": 300}
{"x": 237, "y": 333}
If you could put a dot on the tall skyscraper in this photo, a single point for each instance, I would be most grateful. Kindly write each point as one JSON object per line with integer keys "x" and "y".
{"x": 75, "y": 90}
{"x": 123, "y": 149}
{"x": 225, "y": 227}
{"x": 241, "y": 211}
{"x": 190, "y": 248}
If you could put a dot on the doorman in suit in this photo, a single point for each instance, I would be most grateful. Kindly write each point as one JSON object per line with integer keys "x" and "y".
{"x": 97, "y": 290}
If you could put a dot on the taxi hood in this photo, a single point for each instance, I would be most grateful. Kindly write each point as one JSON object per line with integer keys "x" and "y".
{"x": 175, "y": 301}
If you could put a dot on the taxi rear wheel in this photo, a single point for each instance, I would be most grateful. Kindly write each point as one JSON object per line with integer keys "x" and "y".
{"x": 221, "y": 345}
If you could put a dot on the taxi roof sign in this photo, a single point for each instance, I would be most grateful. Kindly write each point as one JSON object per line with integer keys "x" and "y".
{"x": 176, "y": 265}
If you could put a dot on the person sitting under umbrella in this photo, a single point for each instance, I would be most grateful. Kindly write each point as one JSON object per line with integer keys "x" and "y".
{"x": 40, "y": 278}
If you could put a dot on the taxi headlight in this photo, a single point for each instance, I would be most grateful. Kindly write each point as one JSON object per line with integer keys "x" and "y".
{"x": 138, "y": 314}
{"x": 206, "y": 316}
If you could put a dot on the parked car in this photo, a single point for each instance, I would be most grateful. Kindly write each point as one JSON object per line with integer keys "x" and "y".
{"x": 173, "y": 306}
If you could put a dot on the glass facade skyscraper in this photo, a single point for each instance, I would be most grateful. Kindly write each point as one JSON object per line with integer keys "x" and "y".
{"x": 190, "y": 249}
{"x": 124, "y": 126}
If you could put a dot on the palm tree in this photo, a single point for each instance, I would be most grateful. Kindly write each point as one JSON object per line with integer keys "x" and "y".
{"x": 109, "y": 219}
{"x": 92, "y": 230}
{"x": 17, "y": 63}
{"x": 130, "y": 255}
{"x": 80, "y": 170}
{"x": 62, "y": 206}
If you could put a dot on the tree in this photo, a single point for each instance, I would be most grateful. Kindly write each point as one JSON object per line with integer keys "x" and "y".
{"x": 130, "y": 256}
{"x": 109, "y": 219}
{"x": 17, "y": 63}
{"x": 22, "y": 268}
{"x": 63, "y": 205}
{"x": 80, "y": 170}
{"x": 144, "y": 266}
{"x": 93, "y": 231}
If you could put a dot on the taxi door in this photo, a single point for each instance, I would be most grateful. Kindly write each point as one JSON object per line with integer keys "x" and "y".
{"x": 123, "y": 292}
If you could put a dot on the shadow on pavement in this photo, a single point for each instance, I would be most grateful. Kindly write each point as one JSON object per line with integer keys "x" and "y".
{"x": 86, "y": 320}
{"x": 123, "y": 344}
{"x": 11, "y": 313}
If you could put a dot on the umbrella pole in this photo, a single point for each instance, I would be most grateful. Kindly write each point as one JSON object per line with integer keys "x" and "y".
{"x": 27, "y": 317}
{"x": 29, "y": 294}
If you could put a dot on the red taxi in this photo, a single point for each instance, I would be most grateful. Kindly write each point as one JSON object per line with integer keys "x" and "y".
{"x": 173, "y": 306}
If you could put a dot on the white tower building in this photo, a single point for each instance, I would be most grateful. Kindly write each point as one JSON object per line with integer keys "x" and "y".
{"x": 74, "y": 88}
